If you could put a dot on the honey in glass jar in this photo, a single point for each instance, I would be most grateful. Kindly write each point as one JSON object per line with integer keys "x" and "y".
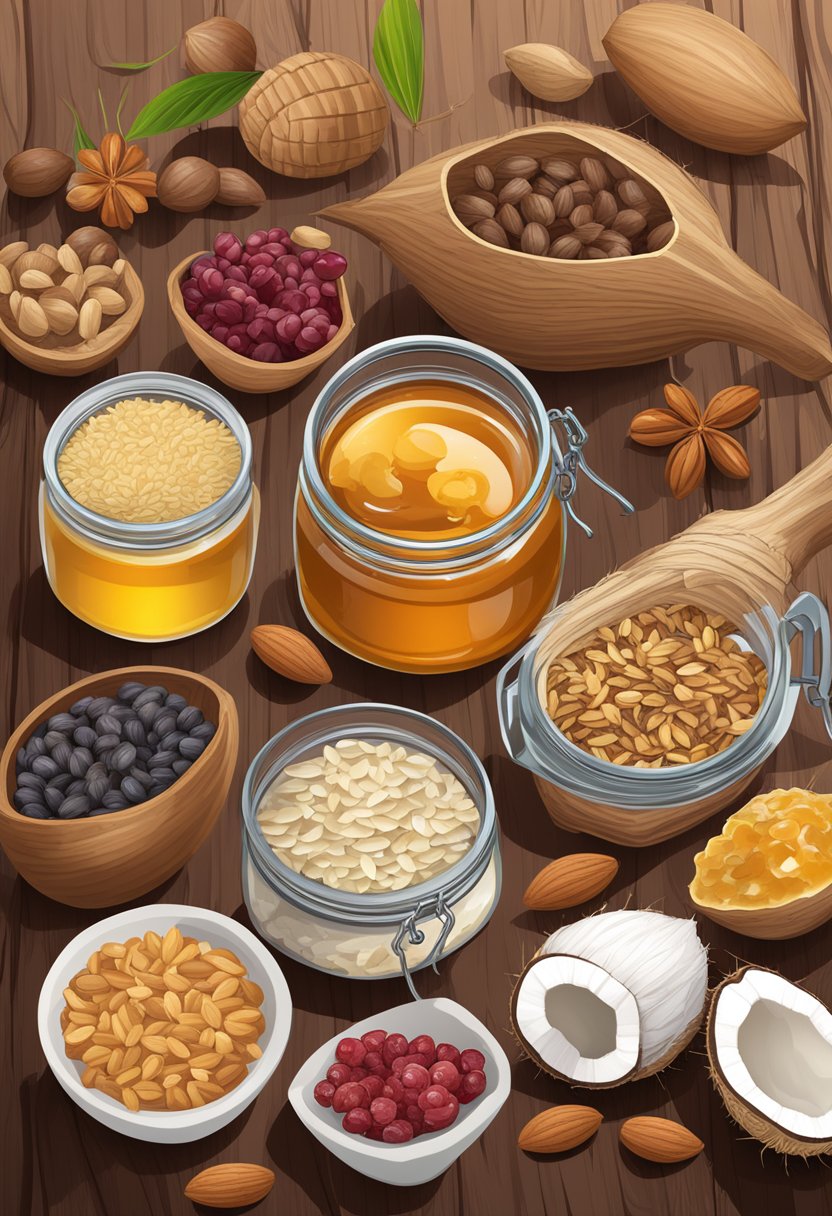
{"x": 428, "y": 533}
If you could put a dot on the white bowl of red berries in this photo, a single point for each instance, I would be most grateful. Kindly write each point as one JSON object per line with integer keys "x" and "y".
{"x": 402, "y": 1094}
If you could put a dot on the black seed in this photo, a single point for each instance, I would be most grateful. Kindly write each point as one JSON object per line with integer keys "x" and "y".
{"x": 23, "y": 798}
{"x": 134, "y": 732}
{"x": 121, "y": 713}
{"x": 151, "y": 696}
{"x": 142, "y": 776}
{"x": 53, "y": 798}
{"x": 72, "y": 807}
{"x": 108, "y": 725}
{"x": 133, "y": 790}
{"x": 21, "y": 760}
{"x": 205, "y": 730}
{"x": 128, "y": 691}
{"x": 175, "y": 702}
{"x": 84, "y": 736}
{"x": 153, "y": 739}
{"x": 61, "y": 782}
{"x": 189, "y": 717}
{"x": 161, "y": 760}
{"x": 104, "y": 810}
{"x": 123, "y": 757}
{"x": 53, "y": 737}
{"x": 37, "y": 811}
{"x": 164, "y": 724}
{"x": 98, "y": 769}
{"x": 148, "y": 713}
{"x": 98, "y": 706}
{"x": 97, "y": 788}
{"x": 143, "y": 754}
{"x": 155, "y": 790}
{"x": 114, "y": 779}
{"x": 78, "y": 786}
{"x": 63, "y": 722}
{"x": 44, "y": 766}
{"x": 105, "y": 743}
{"x": 180, "y": 767}
{"x": 31, "y": 781}
{"x": 163, "y": 777}
{"x": 62, "y": 754}
{"x": 171, "y": 742}
{"x": 36, "y": 746}
{"x": 192, "y": 748}
{"x": 79, "y": 761}
{"x": 114, "y": 800}
{"x": 80, "y": 707}
{"x": 40, "y": 731}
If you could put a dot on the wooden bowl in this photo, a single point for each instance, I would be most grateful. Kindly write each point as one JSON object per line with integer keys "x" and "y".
{"x": 84, "y": 356}
{"x": 237, "y": 371}
{"x": 94, "y": 863}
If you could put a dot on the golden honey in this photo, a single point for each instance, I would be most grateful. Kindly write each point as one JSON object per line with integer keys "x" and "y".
{"x": 428, "y": 535}
{"x": 775, "y": 849}
{"x": 116, "y": 552}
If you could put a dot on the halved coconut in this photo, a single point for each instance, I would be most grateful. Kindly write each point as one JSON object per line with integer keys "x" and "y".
{"x": 770, "y": 1050}
{"x": 573, "y": 1007}
{"x": 576, "y": 1021}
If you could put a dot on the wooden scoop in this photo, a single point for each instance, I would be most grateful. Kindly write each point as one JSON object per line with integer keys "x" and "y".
{"x": 555, "y": 314}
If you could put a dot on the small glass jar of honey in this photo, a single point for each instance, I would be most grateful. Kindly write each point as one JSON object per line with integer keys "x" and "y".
{"x": 429, "y": 519}
{"x": 133, "y": 555}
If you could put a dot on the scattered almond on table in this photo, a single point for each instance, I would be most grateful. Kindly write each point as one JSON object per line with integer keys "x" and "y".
{"x": 290, "y": 654}
{"x": 659, "y": 1140}
{"x": 235, "y": 1184}
{"x": 569, "y": 881}
{"x": 559, "y": 1129}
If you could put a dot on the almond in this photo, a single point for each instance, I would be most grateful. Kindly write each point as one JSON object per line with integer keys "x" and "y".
{"x": 239, "y": 189}
{"x": 659, "y": 1140}
{"x": 290, "y": 654}
{"x": 548, "y": 72}
{"x": 234, "y": 1185}
{"x": 569, "y": 881}
{"x": 560, "y": 1128}
{"x": 10, "y": 253}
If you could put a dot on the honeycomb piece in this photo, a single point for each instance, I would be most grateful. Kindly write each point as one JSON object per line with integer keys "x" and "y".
{"x": 775, "y": 849}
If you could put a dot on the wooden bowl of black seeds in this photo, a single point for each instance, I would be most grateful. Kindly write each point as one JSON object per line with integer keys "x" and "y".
{"x": 109, "y": 786}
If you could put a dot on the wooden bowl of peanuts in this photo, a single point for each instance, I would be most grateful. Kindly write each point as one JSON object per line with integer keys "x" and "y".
{"x": 61, "y": 313}
{"x": 164, "y": 1022}
{"x": 99, "y": 862}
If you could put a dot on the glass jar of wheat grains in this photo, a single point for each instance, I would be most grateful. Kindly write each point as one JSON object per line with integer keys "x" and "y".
{"x": 148, "y": 511}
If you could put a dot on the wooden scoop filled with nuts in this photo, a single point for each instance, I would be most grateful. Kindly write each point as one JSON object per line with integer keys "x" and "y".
{"x": 67, "y": 309}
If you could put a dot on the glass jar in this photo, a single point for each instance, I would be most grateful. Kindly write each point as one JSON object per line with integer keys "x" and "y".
{"x": 382, "y": 934}
{"x": 638, "y": 806}
{"x": 148, "y": 582}
{"x": 435, "y": 605}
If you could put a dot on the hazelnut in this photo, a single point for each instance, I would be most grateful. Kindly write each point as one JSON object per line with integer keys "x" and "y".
{"x": 36, "y": 172}
{"x": 188, "y": 184}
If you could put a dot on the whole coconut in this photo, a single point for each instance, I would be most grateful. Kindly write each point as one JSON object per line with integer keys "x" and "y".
{"x": 314, "y": 115}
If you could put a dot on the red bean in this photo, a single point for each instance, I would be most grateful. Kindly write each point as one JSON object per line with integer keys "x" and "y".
{"x": 338, "y": 1074}
{"x": 471, "y": 1059}
{"x": 323, "y": 1092}
{"x": 437, "y": 1118}
{"x": 348, "y": 1096}
{"x": 330, "y": 265}
{"x": 445, "y": 1073}
{"x": 397, "y": 1132}
{"x": 358, "y": 1120}
{"x": 383, "y": 1110}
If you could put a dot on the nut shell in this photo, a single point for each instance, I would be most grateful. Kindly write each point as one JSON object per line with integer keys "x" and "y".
{"x": 313, "y": 115}
{"x": 36, "y": 172}
{"x": 238, "y": 189}
{"x": 219, "y": 45}
{"x": 290, "y": 654}
{"x": 188, "y": 184}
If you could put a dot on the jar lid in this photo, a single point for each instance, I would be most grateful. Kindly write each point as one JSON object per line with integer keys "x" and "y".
{"x": 143, "y": 536}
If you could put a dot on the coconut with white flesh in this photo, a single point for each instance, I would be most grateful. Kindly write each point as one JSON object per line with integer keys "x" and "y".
{"x": 770, "y": 1051}
{"x": 612, "y": 998}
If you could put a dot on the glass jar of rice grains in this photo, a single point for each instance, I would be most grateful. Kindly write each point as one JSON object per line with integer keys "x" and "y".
{"x": 148, "y": 511}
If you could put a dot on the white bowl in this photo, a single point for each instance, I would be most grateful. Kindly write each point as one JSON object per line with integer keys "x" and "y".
{"x": 429, "y": 1155}
{"x": 167, "y": 1127}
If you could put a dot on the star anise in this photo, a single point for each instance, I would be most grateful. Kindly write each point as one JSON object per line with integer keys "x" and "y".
{"x": 696, "y": 434}
{"x": 116, "y": 178}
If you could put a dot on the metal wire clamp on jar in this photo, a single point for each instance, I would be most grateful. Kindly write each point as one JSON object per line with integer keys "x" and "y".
{"x": 638, "y": 806}
{"x": 149, "y": 581}
{"x": 409, "y": 929}
{"x": 436, "y": 605}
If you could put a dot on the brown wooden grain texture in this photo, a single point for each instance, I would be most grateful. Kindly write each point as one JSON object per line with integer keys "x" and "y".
{"x": 775, "y": 211}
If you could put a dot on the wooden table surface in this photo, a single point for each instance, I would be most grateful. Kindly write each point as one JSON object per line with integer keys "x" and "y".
{"x": 776, "y": 211}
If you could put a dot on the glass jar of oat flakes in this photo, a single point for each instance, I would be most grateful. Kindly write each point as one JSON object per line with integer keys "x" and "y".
{"x": 148, "y": 511}
{"x": 370, "y": 842}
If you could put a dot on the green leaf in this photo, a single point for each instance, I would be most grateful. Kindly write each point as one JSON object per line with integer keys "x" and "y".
{"x": 190, "y": 101}
{"x": 81, "y": 138}
{"x": 141, "y": 67}
{"x": 399, "y": 54}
